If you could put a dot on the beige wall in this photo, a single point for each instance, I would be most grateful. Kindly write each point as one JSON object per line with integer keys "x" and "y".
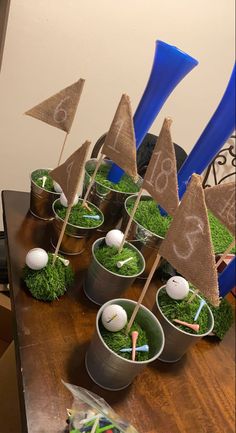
{"x": 110, "y": 43}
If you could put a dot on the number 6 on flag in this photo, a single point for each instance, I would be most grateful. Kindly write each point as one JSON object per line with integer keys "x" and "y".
{"x": 59, "y": 110}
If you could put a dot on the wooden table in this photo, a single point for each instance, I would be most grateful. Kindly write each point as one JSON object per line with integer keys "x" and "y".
{"x": 195, "y": 395}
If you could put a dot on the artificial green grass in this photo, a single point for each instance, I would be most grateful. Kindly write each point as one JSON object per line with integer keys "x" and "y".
{"x": 109, "y": 256}
{"x": 221, "y": 237}
{"x": 37, "y": 174}
{"x": 126, "y": 184}
{"x": 50, "y": 282}
{"x": 148, "y": 215}
{"x": 76, "y": 216}
{"x": 119, "y": 340}
{"x": 181, "y": 310}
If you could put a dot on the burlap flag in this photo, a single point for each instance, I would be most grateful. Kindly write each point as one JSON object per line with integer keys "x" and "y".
{"x": 59, "y": 110}
{"x": 120, "y": 140}
{"x": 161, "y": 176}
{"x": 188, "y": 245}
{"x": 69, "y": 173}
{"x": 220, "y": 200}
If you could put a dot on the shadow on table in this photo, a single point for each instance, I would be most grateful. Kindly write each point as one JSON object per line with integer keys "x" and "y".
{"x": 77, "y": 375}
{"x": 169, "y": 367}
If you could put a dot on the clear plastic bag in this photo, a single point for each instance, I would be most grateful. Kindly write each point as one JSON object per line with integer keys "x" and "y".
{"x": 91, "y": 414}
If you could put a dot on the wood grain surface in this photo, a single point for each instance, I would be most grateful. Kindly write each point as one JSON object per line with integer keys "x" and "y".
{"x": 194, "y": 395}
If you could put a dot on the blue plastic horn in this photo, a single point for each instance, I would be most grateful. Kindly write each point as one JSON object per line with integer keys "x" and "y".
{"x": 169, "y": 67}
{"x": 216, "y": 133}
{"x": 227, "y": 278}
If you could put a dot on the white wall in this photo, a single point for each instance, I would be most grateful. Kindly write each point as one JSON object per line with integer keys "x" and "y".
{"x": 110, "y": 43}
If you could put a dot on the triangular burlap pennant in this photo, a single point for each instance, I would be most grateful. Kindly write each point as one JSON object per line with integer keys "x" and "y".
{"x": 69, "y": 173}
{"x": 120, "y": 140}
{"x": 161, "y": 176}
{"x": 59, "y": 110}
{"x": 188, "y": 245}
{"x": 220, "y": 200}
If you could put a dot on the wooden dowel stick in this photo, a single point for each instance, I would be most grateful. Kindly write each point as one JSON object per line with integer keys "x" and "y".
{"x": 62, "y": 149}
{"x": 62, "y": 233}
{"x": 137, "y": 306}
{"x": 193, "y": 296}
{"x": 227, "y": 251}
{"x": 70, "y": 205}
{"x": 131, "y": 218}
{"x": 92, "y": 179}
{"x": 94, "y": 429}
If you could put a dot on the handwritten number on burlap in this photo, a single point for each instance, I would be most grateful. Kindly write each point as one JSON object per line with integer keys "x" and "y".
{"x": 192, "y": 237}
{"x": 167, "y": 168}
{"x": 228, "y": 209}
{"x": 60, "y": 114}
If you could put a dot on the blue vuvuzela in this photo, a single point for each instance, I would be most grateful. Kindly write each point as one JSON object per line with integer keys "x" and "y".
{"x": 170, "y": 66}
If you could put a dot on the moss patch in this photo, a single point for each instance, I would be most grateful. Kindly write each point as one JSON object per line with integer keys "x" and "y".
{"x": 181, "y": 310}
{"x": 50, "y": 282}
{"x": 77, "y": 215}
{"x": 37, "y": 174}
{"x": 221, "y": 237}
{"x": 148, "y": 215}
{"x": 109, "y": 256}
{"x": 119, "y": 340}
{"x": 223, "y": 316}
{"x": 126, "y": 184}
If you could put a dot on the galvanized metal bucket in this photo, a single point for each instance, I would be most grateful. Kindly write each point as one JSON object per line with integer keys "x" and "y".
{"x": 75, "y": 237}
{"x": 146, "y": 241}
{"x": 41, "y": 200}
{"x": 111, "y": 371}
{"x": 177, "y": 342}
{"x": 110, "y": 201}
{"x": 100, "y": 284}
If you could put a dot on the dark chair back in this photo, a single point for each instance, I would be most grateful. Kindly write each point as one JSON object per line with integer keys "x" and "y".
{"x": 3, "y": 260}
{"x": 144, "y": 152}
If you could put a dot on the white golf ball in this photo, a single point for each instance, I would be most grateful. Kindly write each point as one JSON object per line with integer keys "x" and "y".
{"x": 177, "y": 288}
{"x": 114, "y": 238}
{"x": 114, "y": 318}
{"x": 36, "y": 259}
{"x": 57, "y": 187}
{"x": 64, "y": 202}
